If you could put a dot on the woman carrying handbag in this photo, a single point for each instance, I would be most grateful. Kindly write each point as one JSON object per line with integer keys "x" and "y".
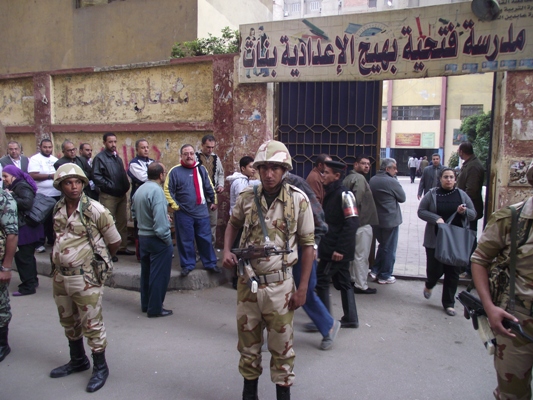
{"x": 436, "y": 207}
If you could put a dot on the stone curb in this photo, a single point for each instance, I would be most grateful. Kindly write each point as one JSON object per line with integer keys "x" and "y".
{"x": 127, "y": 274}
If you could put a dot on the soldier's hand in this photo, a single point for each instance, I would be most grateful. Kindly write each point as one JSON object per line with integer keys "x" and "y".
{"x": 5, "y": 277}
{"x": 297, "y": 300}
{"x": 229, "y": 260}
{"x": 496, "y": 316}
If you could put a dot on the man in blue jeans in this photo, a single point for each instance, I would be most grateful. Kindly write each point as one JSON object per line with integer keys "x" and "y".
{"x": 315, "y": 309}
{"x": 388, "y": 194}
{"x": 149, "y": 209}
{"x": 188, "y": 190}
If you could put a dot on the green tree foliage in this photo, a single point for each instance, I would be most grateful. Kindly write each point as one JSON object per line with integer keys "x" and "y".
{"x": 477, "y": 130}
{"x": 453, "y": 161}
{"x": 227, "y": 44}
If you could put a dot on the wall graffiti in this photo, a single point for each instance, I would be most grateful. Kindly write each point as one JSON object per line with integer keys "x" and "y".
{"x": 440, "y": 40}
{"x": 163, "y": 94}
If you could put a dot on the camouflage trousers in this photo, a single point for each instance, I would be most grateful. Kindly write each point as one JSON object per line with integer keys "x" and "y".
{"x": 513, "y": 361}
{"x": 266, "y": 308}
{"x": 5, "y": 308}
{"x": 79, "y": 305}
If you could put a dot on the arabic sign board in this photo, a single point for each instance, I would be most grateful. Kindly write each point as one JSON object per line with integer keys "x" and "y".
{"x": 407, "y": 139}
{"x": 410, "y": 43}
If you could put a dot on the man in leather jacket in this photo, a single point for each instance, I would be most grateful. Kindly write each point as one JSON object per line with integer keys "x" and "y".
{"x": 110, "y": 177}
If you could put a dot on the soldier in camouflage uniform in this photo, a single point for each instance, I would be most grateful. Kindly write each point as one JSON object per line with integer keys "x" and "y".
{"x": 513, "y": 358}
{"x": 83, "y": 227}
{"x": 8, "y": 246}
{"x": 289, "y": 223}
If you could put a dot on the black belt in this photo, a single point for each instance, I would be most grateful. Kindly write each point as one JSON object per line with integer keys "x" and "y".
{"x": 66, "y": 271}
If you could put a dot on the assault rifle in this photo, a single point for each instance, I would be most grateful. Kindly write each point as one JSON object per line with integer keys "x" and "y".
{"x": 474, "y": 309}
{"x": 252, "y": 252}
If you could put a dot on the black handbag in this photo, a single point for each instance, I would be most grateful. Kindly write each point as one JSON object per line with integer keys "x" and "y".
{"x": 454, "y": 243}
{"x": 42, "y": 208}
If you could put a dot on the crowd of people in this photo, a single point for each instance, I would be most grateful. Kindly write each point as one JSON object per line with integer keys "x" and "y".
{"x": 304, "y": 233}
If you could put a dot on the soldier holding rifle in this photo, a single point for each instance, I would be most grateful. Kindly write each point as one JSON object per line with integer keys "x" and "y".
{"x": 273, "y": 214}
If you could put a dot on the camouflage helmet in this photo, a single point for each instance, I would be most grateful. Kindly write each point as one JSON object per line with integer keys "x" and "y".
{"x": 69, "y": 171}
{"x": 273, "y": 152}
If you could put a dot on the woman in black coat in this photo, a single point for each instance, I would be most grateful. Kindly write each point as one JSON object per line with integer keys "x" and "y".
{"x": 22, "y": 187}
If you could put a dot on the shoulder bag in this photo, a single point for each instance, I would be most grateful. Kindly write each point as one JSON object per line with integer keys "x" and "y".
{"x": 454, "y": 243}
{"x": 42, "y": 208}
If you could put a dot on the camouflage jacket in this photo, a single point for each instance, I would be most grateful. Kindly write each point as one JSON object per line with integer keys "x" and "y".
{"x": 72, "y": 248}
{"x": 8, "y": 220}
{"x": 289, "y": 212}
{"x": 494, "y": 247}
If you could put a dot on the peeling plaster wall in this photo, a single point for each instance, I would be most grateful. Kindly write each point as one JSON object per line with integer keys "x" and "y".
{"x": 16, "y": 102}
{"x": 82, "y": 105}
{"x": 163, "y": 94}
{"x": 513, "y": 139}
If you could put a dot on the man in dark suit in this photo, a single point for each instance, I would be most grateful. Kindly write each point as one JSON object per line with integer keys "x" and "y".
{"x": 14, "y": 157}
{"x": 430, "y": 176}
{"x": 69, "y": 156}
{"x": 471, "y": 180}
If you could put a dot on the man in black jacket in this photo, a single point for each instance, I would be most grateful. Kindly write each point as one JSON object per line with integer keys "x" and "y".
{"x": 111, "y": 178}
{"x": 337, "y": 248}
{"x": 69, "y": 156}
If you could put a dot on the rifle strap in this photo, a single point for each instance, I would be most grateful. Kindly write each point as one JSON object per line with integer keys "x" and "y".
{"x": 260, "y": 214}
{"x": 512, "y": 261}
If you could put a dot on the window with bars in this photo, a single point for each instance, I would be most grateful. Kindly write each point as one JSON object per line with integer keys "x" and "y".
{"x": 423, "y": 113}
{"x": 468, "y": 110}
{"x": 314, "y": 6}
{"x": 384, "y": 111}
{"x": 294, "y": 7}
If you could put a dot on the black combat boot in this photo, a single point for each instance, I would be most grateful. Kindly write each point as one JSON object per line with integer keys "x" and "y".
{"x": 350, "y": 319}
{"x": 283, "y": 392}
{"x": 100, "y": 372}
{"x": 250, "y": 390}
{"x": 78, "y": 360}
{"x": 4, "y": 347}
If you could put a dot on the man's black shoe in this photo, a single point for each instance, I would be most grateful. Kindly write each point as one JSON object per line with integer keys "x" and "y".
{"x": 164, "y": 313}
{"x": 185, "y": 272}
{"x": 349, "y": 324}
{"x": 367, "y": 291}
{"x": 216, "y": 270}
{"x": 125, "y": 252}
{"x": 114, "y": 258}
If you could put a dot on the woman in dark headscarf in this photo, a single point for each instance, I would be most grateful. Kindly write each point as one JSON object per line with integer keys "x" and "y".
{"x": 23, "y": 188}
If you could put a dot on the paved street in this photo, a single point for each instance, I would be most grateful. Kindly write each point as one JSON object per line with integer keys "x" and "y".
{"x": 405, "y": 348}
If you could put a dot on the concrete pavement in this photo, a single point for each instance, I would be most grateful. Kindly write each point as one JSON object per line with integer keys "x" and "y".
{"x": 405, "y": 348}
